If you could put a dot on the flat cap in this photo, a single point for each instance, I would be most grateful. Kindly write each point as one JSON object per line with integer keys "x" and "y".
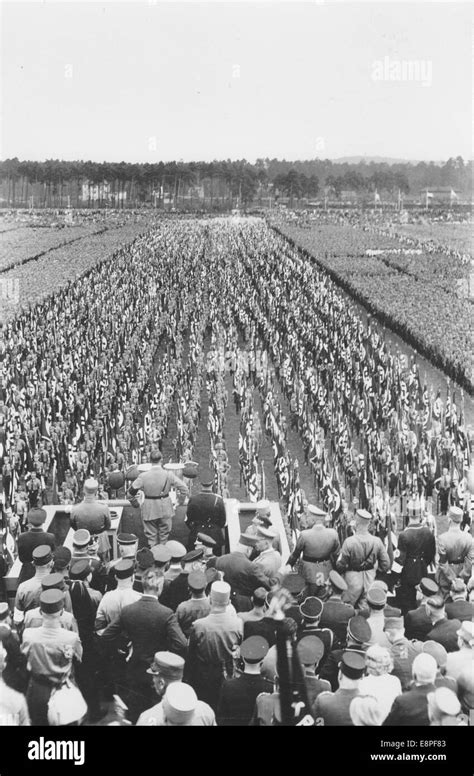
{"x": 42, "y": 555}
{"x": 62, "y": 557}
{"x": 206, "y": 540}
{"x": 358, "y": 629}
{"x": 428, "y": 586}
{"x": 363, "y": 514}
{"x": 294, "y": 583}
{"x": 254, "y": 649}
{"x": 193, "y": 555}
{"x": 337, "y": 581}
{"x": 266, "y": 533}
{"x": 177, "y": 549}
{"x": 316, "y": 511}
{"x": 436, "y": 601}
{"x": 51, "y": 601}
{"x": 80, "y": 569}
{"x": 53, "y": 581}
{"x": 124, "y": 568}
{"x": 248, "y": 540}
{"x": 166, "y": 664}
{"x": 126, "y": 538}
{"x": 145, "y": 559}
{"x": 36, "y": 516}
{"x": 161, "y": 554}
{"x": 310, "y": 650}
{"x": 352, "y": 665}
{"x": 197, "y": 581}
{"x": 376, "y": 597}
{"x": 455, "y": 514}
{"x": 81, "y": 538}
{"x": 311, "y": 608}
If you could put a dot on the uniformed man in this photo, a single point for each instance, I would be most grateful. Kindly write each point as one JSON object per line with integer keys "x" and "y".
{"x": 456, "y": 552}
{"x": 166, "y": 668}
{"x": 113, "y": 601}
{"x": 417, "y": 550}
{"x": 411, "y": 707}
{"x": 458, "y": 608}
{"x": 311, "y": 610}
{"x": 443, "y": 631}
{"x": 360, "y": 556}
{"x": 84, "y": 548}
{"x": 418, "y": 621}
{"x": 157, "y": 509}
{"x": 402, "y": 650}
{"x": 50, "y": 651}
{"x": 93, "y": 515}
{"x": 178, "y": 551}
{"x": 319, "y": 548}
{"x": 242, "y": 574}
{"x": 208, "y": 545}
{"x": 462, "y": 660}
{"x": 268, "y": 559}
{"x": 31, "y": 539}
{"x": 336, "y": 613}
{"x": 310, "y": 651}
{"x": 177, "y": 590}
{"x": 239, "y": 693}
{"x": 181, "y": 707}
{"x": 258, "y": 609}
{"x": 144, "y": 561}
{"x": 206, "y": 514}
{"x": 197, "y": 606}
{"x": 33, "y": 618}
{"x": 29, "y": 592}
{"x": 127, "y": 547}
{"x": 332, "y": 708}
{"x": 376, "y": 600}
{"x": 358, "y": 635}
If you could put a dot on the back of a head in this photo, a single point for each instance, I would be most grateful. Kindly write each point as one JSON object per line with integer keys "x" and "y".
{"x": 155, "y": 456}
{"x": 424, "y": 669}
{"x": 378, "y": 660}
{"x": 152, "y": 581}
{"x": 259, "y": 596}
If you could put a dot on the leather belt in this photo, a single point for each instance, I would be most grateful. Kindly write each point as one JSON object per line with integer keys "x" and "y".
{"x": 154, "y": 498}
{"x": 315, "y": 560}
{"x": 456, "y": 562}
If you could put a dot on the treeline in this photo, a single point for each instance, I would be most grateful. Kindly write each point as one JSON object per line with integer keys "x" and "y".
{"x": 218, "y": 184}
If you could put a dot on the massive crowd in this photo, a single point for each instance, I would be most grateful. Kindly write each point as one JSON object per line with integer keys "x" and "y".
{"x": 90, "y": 380}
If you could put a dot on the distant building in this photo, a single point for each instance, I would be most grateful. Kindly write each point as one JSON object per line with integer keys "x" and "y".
{"x": 98, "y": 192}
{"x": 439, "y": 194}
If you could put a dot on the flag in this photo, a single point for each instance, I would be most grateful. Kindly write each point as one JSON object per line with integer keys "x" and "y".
{"x": 376, "y": 196}
{"x": 453, "y": 195}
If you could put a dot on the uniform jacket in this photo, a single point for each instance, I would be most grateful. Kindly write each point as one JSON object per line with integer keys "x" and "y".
{"x": 361, "y": 552}
{"x": 14, "y": 673}
{"x": 411, "y": 708}
{"x": 151, "y": 627}
{"x": 51, "y": 650}
{"x": 175, "y": 592}
{"x": 269, "y": 561}
{"x": 190, "y": 611}
{"x": 92, "y": 515}
{"x": 112, "y": 604}
{"x": 329, "y": 669}
{"x": 457, "y": 547}
{"x": 335, "y": 616}
{"x": 237, "y": 699}
{"x": 242, "y": 574}
{"x": 460, "y": 610}
{"x": 445, "y": 633}
{"x": 34, "y": 619}
{"x": 155, "y": 482}
{"x": 316, "y": 543}
{"x": 210, "y": 643}
{"x": 333, "y": 708}
{"x": 28, "y": 541}
{"x": 417, "y": 547}
{"x": 206, "y": 514}
{"x": 403, "y": 653}
{"x": 417, "y": 623}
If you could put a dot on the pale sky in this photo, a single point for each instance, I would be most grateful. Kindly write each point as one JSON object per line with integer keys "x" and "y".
{"x": 150, "y": 81}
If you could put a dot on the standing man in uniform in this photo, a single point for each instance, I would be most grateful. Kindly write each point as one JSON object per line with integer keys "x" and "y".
{"x": 417, "y": 548}
{"x": 336, "y": 614}
{"x": 418, "y": 621}
{"x": 31, "y": 539}
{"x": 456, "y": 552}
{"x": 29, "y": 592}
{"x": 93, "y": 515}
{"x": 157, "y": 509}
{"x": 206, "y": 514}
{"x": 360, "y": 555}
{"x": 319, "y": 547}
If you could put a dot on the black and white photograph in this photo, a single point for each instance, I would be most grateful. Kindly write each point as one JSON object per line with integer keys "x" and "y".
{"x": 236, "y": 379}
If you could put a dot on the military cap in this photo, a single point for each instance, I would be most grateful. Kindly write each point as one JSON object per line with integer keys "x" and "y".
{"x": 197, "y": 581}
{"x": 254, "y": 649}
{"x": 42, "y": 555}
{"x": 51, "y": 601}
{"x": 53, "y": 581}
{"x": 166, "y": 664}
{"x": 436, "y": 601}
{"x": 310, "y": 650}
{"x": 145, "y": 558}
{"x": 261, "y": 519}
{"x": 376, "y": 597}
{"x": 81, "y": 538}
{"x": 316, "y": 511}
{"x": 414, "y": 510}
{"x": 36, "y": 516}
{"x": 458, "y": 586}
{"x": 161, "y": 554}
{"x": 380, "y": 584}
{"x": 447, "y": 702}
{"x": 177, "y": 549}
{"x": 436, "y": 650}
{"x": 124, "y": 568}
{"x": 206, "y": 540}
{"x": 428, "y": 586}
{"x": 248, "y": 540}
{"x": 220, "y": 593}
{"x": 193, "y": 555}
{"x": 455, "y": 514}
{"x": 394, "y": 623}
{"x": 364, "y": 514}
{"x": 179, "y": 703}
{"x": 352, "y": 664}
{"x": 358, "y": 629}
{"x": 263, "y": 508}
{"x": 337, "y": 581}
{"x": 80, "y": 569}
{"x": 126, "y": 538}
{"x": 91, "y": 485}
{"x": 311, "y": 608}
{"x": 207, "y": 478}
{"x": 4, "y": 610}
{"x": 62, "y": 557}
{"x": 294, "y": 583}
{"x": 266, "y": 533}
